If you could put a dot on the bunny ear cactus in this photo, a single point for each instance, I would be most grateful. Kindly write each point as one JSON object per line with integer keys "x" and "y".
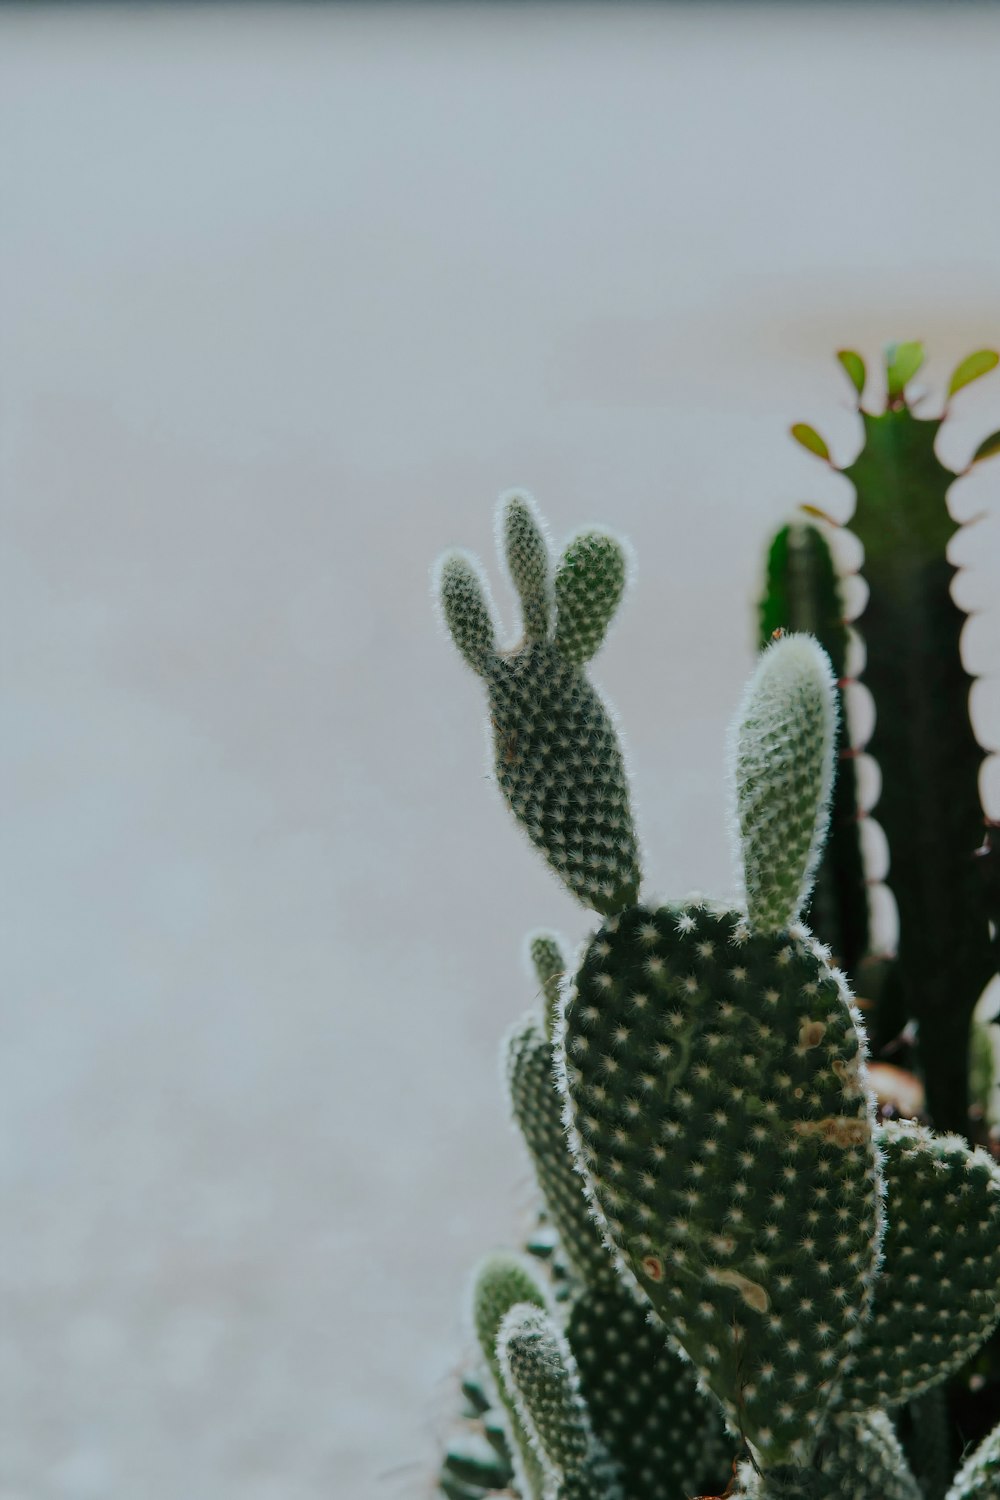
{"x": 714, "y": 1074}
{"x": 929, "y": 806}
{"x": 743, "y": 1244}
{"x": 557, "y": 759}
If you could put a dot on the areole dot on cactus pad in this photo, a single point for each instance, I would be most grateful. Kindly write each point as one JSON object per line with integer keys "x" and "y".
{"x": 716, "y": 1090}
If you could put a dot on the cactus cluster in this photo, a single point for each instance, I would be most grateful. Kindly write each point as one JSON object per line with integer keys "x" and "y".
{"x": 767, "y": 1280}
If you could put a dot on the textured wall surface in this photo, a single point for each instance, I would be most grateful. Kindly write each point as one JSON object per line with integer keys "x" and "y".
{"x": 286, "y": 297}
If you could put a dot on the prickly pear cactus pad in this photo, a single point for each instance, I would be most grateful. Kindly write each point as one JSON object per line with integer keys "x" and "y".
{"x": 859, "y": 1460}
{"x": 716, "y": 1088}
{"x": 667, "y": 1436}
{"x": 979, "y": 1476}
{"x": 782, "y": 751}
{"x": 938, "y": 1291}
{"x": 538, "y": 1110}
{"x": 540, "y": 1376}
{"x": 557, "y": 759}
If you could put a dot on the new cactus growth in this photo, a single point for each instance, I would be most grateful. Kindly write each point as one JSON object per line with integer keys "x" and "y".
{"x": 759, "y": 1276}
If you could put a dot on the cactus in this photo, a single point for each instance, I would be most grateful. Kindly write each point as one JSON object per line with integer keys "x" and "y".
{"x": 929, "y": 807}
{"x": 557, "y": 758}
{"x": 541, "y": 1378}
{"x": 759, "y": 1276}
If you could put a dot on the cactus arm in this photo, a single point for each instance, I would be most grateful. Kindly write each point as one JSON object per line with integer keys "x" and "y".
{"x": 526, "y": 550}
{"x": 802, "y": 593}
{"x": 557, "y": 758}
{"x": 464, "y": 600}
{"x": 549, "y": 964}
{"x": 503, "y": 1282}
{"x": 541, "y": 1379}
{"x": 782, "y": 751}
{"x": 590, "y": 581}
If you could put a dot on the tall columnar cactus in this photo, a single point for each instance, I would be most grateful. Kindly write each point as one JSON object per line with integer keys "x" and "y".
{"x": 758, "y": 1274}
{"x": 929, "y": 806}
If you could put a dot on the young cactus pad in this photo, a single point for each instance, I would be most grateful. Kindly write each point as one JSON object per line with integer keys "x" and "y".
{"x": 540, "y": 1376}
{"x": 503, "y": 1282}
{"x": 783, "y": 749}
{"x": 557, "y": 759}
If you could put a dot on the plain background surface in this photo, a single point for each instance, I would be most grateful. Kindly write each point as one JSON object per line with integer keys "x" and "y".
{"x": 288, "y": 295}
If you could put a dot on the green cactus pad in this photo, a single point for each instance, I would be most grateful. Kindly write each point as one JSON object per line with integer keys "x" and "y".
{"x": 538, "y": 1110}
{"x": 502, "y": 1282}
{"x": 557, "y": 759}
{"x": 590, "y": 581}
{"x": 857, "y": 1460}
{"x": 802, "y": 592}
{"x": 938, "y": 1291}
{"x": 782, "y": 749}
{"x": 668, "y": 1438}
{"x": 540, "y": 1376}
{"x": 716, "y": 1085}
{"x": 979, "y": 1476}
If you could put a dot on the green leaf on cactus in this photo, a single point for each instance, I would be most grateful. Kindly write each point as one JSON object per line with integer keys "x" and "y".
{"x": 902, "y": 361}
{"x": 973, "y": 367}
{"x": 810, "y": 439}
{"x": 855, "y": 367}
{"x": 988, "y": 448}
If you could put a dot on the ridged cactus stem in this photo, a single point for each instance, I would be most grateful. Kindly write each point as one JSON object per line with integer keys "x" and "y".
{"x": 929, "y": 806}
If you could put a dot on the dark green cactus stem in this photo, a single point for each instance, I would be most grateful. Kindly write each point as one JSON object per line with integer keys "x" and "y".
{"x": 557, "y": 759}
{"x": 929, "y": 805}
{"x": 541, "y": 1378}
{"x": 802, "y": 593}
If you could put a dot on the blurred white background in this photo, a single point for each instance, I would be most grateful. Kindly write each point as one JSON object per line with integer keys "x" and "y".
{"x": 287, "y": 296}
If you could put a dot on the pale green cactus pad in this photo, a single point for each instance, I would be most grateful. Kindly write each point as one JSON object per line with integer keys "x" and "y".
{"x": 541, "y": 1378}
